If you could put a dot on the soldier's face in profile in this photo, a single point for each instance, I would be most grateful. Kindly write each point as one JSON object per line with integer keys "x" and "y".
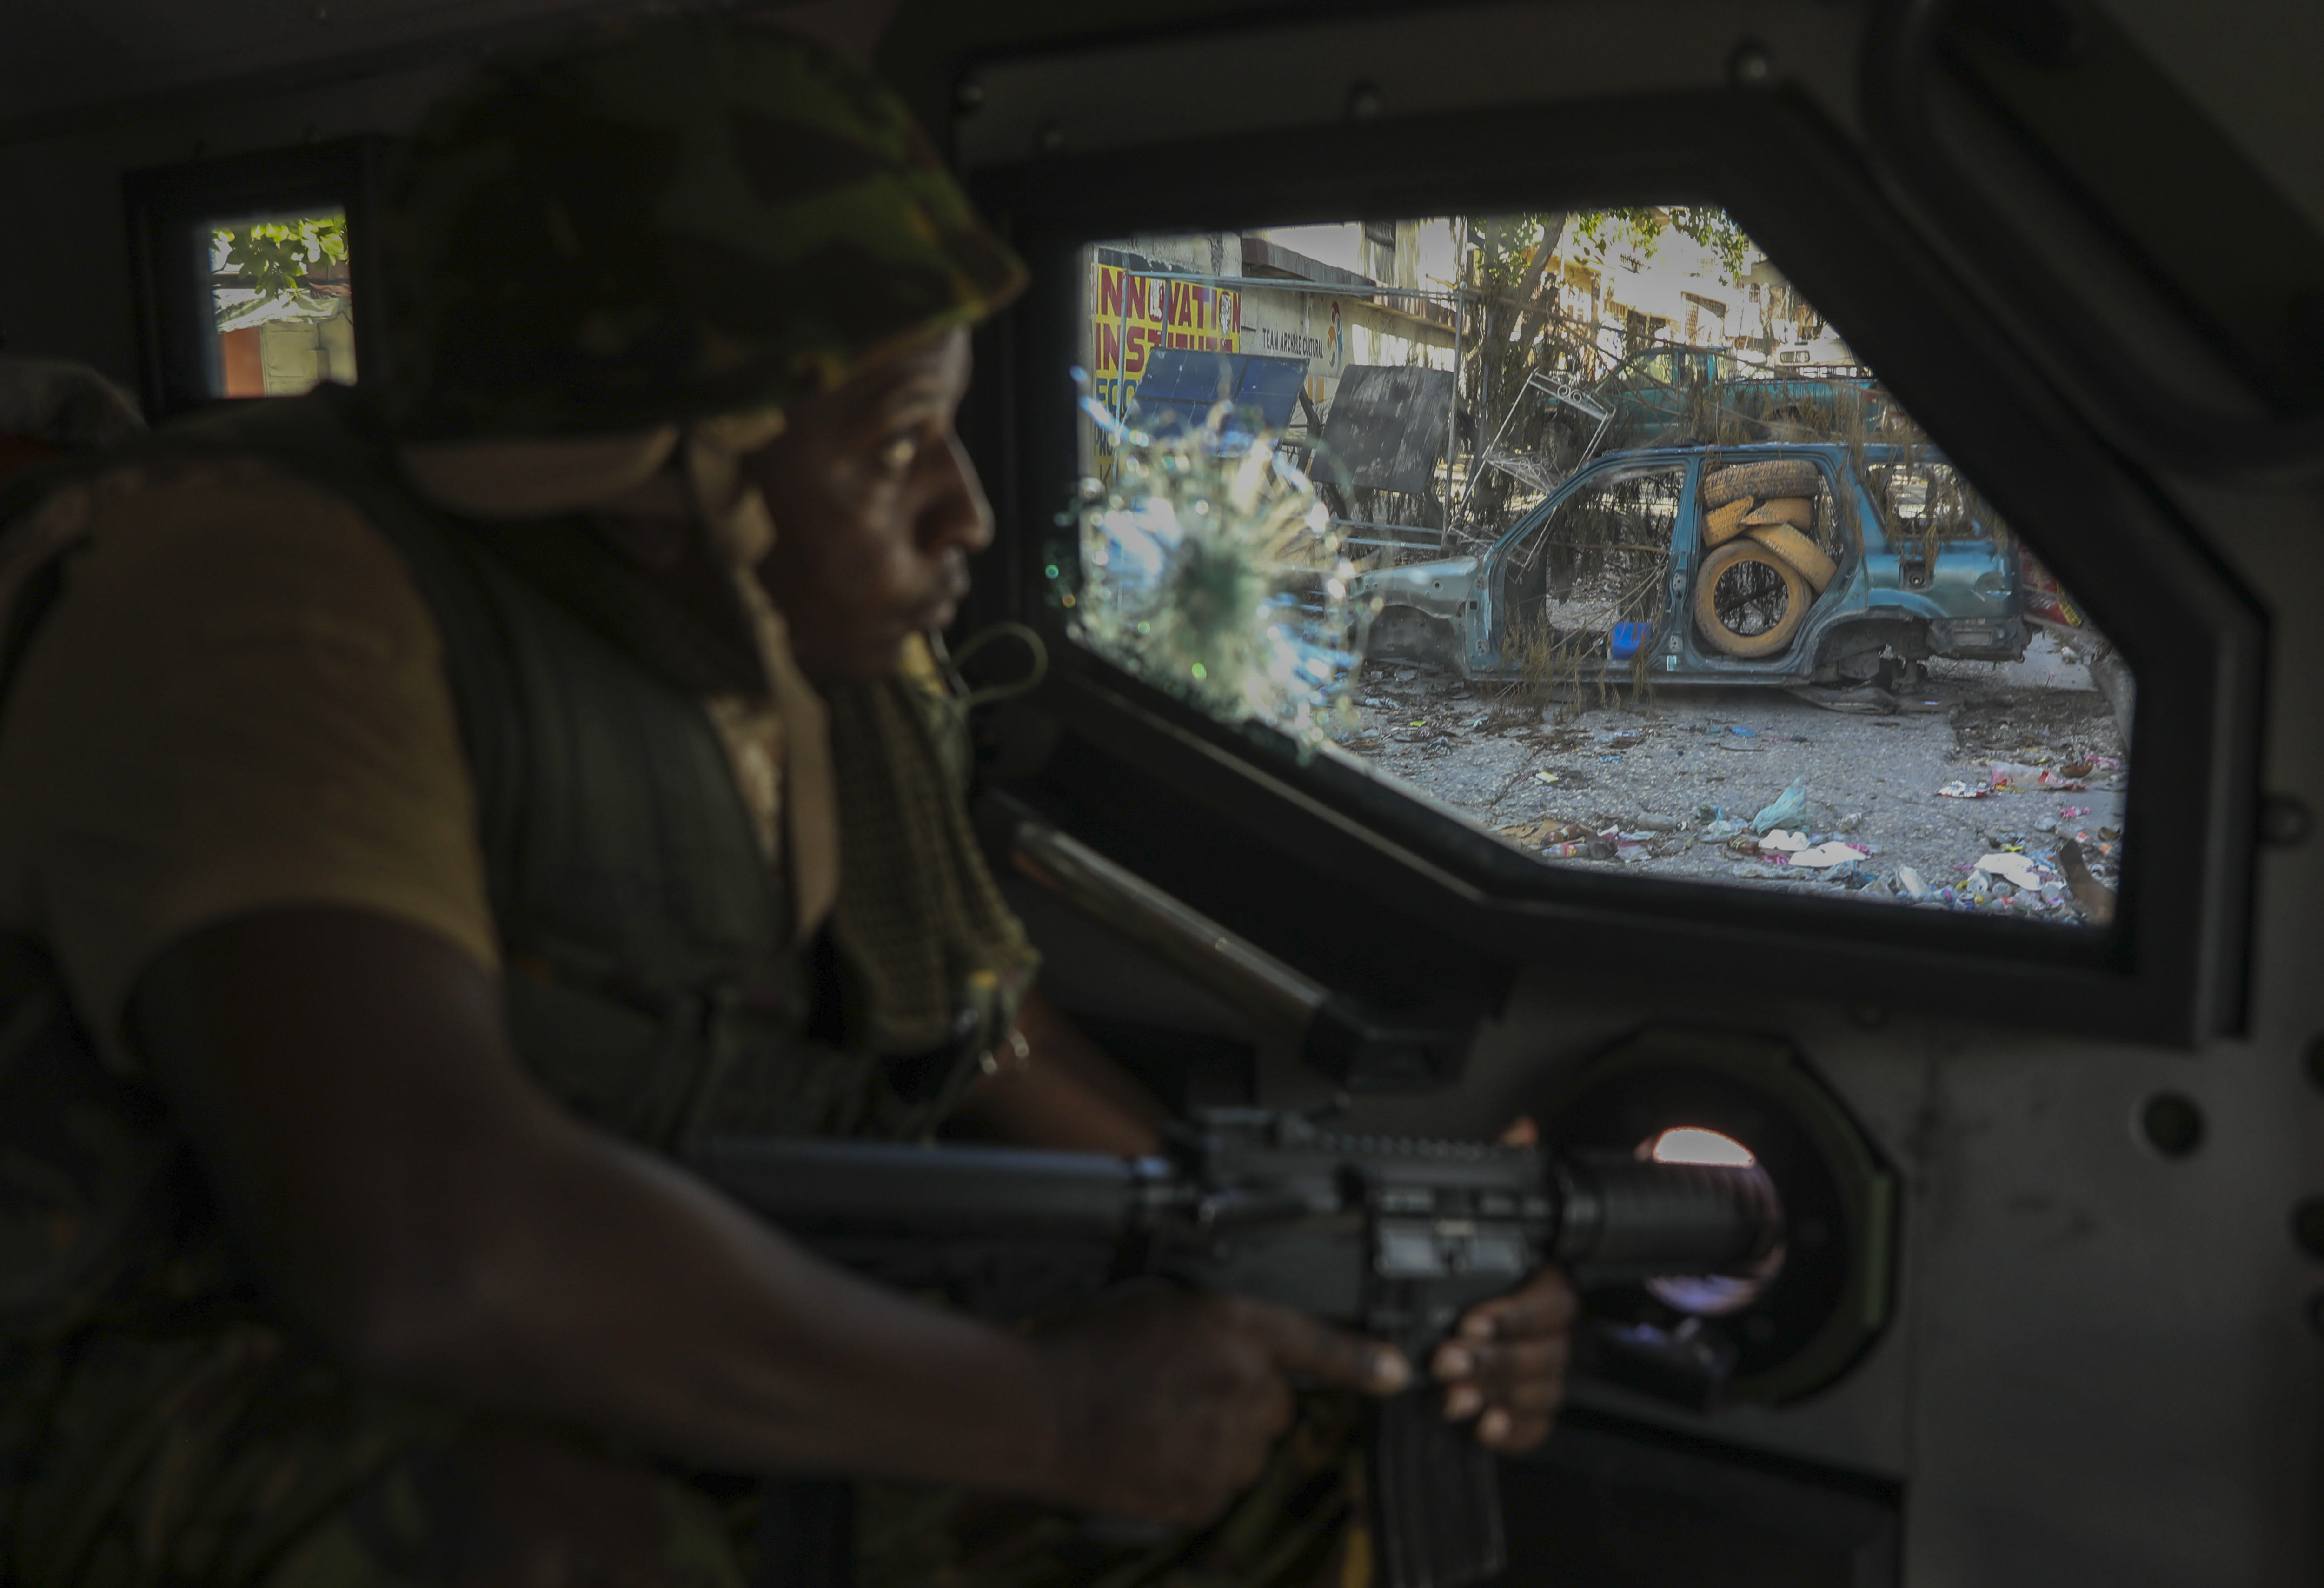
{"x": 876, "y": 511}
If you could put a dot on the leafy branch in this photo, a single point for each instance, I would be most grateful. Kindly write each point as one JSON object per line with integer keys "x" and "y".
{"x": 271, "y": 258}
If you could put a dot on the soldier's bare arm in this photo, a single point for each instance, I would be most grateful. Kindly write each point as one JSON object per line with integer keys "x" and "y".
{"x": 437, "y": 1220}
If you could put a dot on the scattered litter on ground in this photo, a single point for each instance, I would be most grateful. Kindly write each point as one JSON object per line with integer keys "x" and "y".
{"x": 1611, "y": 783}
{"x": 1833, "y": 854}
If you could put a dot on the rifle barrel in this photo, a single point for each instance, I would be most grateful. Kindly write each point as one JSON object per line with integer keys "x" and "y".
{"x": 1622, "y": 1216}
{"x": 808, "y": 1185}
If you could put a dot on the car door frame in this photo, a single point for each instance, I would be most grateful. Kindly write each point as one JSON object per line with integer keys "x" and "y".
{"x": 1489, "y": 628}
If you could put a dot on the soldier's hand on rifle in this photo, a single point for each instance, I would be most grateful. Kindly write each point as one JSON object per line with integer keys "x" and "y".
{"x": 1505, "y": 1365}
{"x": 1167, "y": 1402}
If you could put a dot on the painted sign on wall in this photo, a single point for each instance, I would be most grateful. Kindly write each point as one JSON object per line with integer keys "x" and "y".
{"x": 1130, "y": 312}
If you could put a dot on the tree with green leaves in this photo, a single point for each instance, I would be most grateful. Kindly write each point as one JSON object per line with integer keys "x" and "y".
{"x": 1518, "y": 329}
{"x": 274, "y": 259}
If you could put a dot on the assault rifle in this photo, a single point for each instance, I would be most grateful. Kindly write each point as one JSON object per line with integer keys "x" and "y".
{"x": 1394, "y": 1236}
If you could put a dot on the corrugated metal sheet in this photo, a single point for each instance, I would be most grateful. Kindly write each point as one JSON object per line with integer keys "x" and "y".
{"x": 1387, "y": 426}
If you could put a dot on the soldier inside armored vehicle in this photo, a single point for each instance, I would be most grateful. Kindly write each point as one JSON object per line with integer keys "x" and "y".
{"x": 415, "y": 819}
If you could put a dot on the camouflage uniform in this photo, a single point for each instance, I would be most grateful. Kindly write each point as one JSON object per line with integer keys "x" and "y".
{"x": 687, "y": 221}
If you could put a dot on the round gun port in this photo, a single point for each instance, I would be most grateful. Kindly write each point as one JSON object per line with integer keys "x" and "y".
{"x": 1711, "y": 1295}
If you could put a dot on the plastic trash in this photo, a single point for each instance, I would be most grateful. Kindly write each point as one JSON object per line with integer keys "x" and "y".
{"x": 1824, "y": 855}
{"x": 1742, "y": 732}
{"x": 1789, "y": 808}
{"x": 1784, "y": 842}
{"x": 1586, "y": 849}
{"x": 1909, "y": 882}
{"x": 1958, "y": 789}
{"x": 2012, "y": 776}
{"x": 1627, "y": 640}
{"x": 2015, "y": 869}
{"x": 1549, "y": 829}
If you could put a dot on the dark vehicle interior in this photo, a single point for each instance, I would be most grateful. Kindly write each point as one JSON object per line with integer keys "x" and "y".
{"x": 2051, "y": 1146}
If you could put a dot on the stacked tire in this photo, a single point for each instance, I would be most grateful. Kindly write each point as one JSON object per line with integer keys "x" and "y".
{"x": 1759, "y": 515}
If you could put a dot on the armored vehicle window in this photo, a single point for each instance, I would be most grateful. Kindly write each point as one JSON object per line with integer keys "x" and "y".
{"x": 1587, "y": 529}
{"x": 283, "y": 304}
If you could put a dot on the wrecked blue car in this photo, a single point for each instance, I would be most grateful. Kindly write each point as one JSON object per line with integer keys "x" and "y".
{"x": 1788, "y": 564}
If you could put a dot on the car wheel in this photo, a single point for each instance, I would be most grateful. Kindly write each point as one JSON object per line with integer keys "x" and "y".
{"x": 1778, "y": 476}
{"x": 1749, "y": 601}
{"x": 1897, "y": 674}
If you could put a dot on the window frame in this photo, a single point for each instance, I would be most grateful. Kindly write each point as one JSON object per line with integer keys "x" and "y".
{"x": 2171, "y": 970}
{"x": 174, "y": 306}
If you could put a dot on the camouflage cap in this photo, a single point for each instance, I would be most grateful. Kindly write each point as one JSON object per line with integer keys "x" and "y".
{"x": 687, "y": 217}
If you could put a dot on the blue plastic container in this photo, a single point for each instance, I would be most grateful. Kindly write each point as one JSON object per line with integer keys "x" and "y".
{"x": 1628, "y": 640}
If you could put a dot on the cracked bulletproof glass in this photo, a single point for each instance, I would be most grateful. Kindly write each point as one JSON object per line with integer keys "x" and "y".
{"x": 1588, "y": 529}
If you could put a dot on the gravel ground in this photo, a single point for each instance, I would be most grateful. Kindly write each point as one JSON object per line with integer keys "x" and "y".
{"x": 1658, "y": 783}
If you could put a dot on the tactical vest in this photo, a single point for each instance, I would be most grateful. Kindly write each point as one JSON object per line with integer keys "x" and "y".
{"x": 648, "y": 984}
